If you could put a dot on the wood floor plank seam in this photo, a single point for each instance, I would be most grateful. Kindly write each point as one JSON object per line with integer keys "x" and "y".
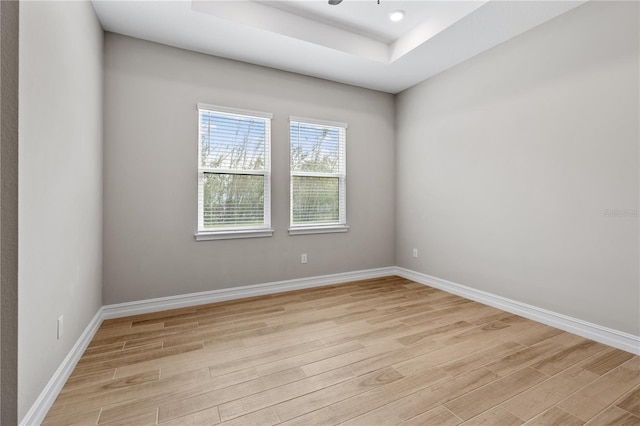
{"x": 381, "y": 351}
{"x": 635, "y": 390}
{"x": 503, "y": 420}
{"x": 615, "y": 405}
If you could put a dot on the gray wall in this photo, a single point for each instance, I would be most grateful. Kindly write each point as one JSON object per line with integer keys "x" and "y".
{"x": 503, "y": 169}
{"x": 507, "y": 163}
{"x": 9, "y": 23}
{"x": 150, "y": 188}
{"x": 60, "y": 185}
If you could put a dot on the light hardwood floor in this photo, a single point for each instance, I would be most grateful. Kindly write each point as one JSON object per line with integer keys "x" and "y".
{"x": 377, "y": 352}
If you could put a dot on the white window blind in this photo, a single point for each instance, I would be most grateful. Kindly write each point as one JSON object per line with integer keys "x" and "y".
{"x": 234, "y": 176}
{"x": 318, "y": 173}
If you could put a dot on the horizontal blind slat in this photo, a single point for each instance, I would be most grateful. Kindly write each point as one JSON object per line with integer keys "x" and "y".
{"x": 318, "y": 171}
{"x": 234, "y": 163}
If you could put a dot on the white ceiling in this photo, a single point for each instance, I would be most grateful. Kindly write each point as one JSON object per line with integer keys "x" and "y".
{"x": 370, "y": 19}
{"x": 353, "y": 42}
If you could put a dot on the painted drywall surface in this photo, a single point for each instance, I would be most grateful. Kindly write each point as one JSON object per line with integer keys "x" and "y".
{"x": 517, "y": 171}
{"x": 9, "y": 24}
{"x": 151, "y": 92}
{"x": 60, "y": 186}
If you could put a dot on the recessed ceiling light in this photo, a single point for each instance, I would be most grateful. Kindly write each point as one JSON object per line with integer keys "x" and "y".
{"x": 396, "y": 15}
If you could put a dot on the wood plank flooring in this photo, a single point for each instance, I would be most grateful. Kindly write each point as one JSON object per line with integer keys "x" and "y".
{"x": 385, "y": 351}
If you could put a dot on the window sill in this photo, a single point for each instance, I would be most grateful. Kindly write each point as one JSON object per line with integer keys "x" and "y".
{"x": 303, "y": 230}
{"x": 232, "y": 235}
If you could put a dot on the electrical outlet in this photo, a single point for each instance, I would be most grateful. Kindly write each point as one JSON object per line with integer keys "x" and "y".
{"x": 415, "y": 252}
{"x": 303, "y": 258}
{"x": 60, "y": 326}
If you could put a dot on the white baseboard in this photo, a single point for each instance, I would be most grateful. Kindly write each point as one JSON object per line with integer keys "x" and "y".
{"x": 617, "y": 339}
{"x": 47, "y": 397}
{"x": 213, "y": 296}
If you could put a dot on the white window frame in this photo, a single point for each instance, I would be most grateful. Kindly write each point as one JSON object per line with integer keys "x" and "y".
{"x": 341, "y": 225}
{"x": 265, "y": 230}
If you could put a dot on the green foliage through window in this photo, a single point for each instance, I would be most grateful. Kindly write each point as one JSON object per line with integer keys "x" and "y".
{"x": 233, "y": 200}
{"x": 318, "y": 174}
{"x": 233, "y": 190}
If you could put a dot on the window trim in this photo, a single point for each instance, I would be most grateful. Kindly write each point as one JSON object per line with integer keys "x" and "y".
{"x": 264, "y": 230}
{"x": 327, "y": 229}
{"x": 317, "y": 228}
{"x": 235, "y": 111}
{"x": 232, "y": 235}
{"x": 317, "y": 122}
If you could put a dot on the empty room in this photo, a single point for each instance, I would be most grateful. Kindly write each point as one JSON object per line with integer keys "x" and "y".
{"x": 352, "y": 212}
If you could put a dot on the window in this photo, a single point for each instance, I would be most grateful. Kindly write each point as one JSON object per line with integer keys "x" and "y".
{"x": 234, "y": 173}
{"x": 318, "y": 176}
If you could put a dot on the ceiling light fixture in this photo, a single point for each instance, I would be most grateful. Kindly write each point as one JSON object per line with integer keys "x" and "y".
{"x": 396, "y": 15}
{"x": 336, "y": 2}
